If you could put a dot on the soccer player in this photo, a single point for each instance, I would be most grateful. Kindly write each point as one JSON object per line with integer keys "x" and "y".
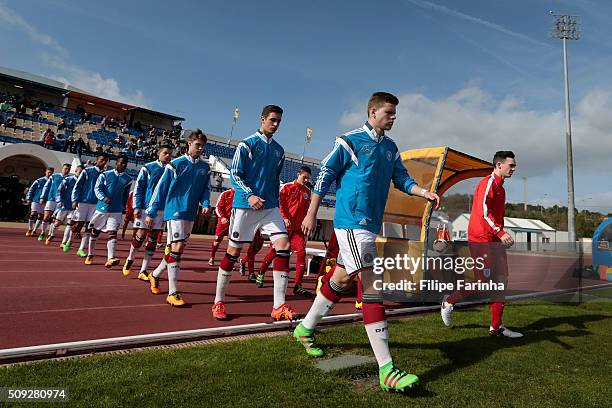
{"x": 147, "y": 180}
{"x": 363, "y": 162}
{"x": 84, "y": 200}
{"x": 33, "y": 199}
{"x": 184, "y": 185}
{"x": 487, "y": 240}
{"x": 129, "y": 216}
{"x": 64, "y": 209}
{"x": 112, "y": 189}
{"x": 294, "y": 203}
{"x": 255, "y": 175}
{"x": 223, "y": 210}
{"x": 48, "y": 198}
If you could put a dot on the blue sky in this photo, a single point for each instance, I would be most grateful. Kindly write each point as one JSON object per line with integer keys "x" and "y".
{"x": 478, "y": 75}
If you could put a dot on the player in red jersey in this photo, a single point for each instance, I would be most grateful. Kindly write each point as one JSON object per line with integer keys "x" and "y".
{"x": 294, "y": 201}
{"x": 223, "y": 210}
{"x": 487, "y": 241}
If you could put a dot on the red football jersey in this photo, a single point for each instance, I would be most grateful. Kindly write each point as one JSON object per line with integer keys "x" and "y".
{"x": 294, "y": 203}
{"x": 223, "y": 208}
{"x": 488, "y": 210}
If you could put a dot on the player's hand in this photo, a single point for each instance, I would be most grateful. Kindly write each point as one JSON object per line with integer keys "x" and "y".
{"x": 224, "y": 220}
{"x": 506, "y": 239}
{"x": 41, "y": 201}
{"x": 107, "y": 200}
{"x": 74, "y": 206}
{"x": 309, "y": 225}
{"x": 205, "y": 210}
{"x": 287, "y": 223}
{"x": 137, "y": 213}
{"x": 149, "y": 222}
{"x": 256, "y": 203}
{"x": 432, "y": 197}
{"x": 60, "y": 205}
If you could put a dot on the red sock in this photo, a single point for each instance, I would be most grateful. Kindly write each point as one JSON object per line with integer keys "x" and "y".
{"x": 497, "y": 310}
{"x": 267, "y": 261}
{"x": 373, "y": 313}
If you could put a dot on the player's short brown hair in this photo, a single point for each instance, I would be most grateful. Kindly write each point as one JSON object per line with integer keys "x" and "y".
{"x": 50, "y": 168}
{"x": 502, "y": 155}
{"x": 268, "y": 109}
{"x": 378, "y": 99}
{"x": 197, "y": 134}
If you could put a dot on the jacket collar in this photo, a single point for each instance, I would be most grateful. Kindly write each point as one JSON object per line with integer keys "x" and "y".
{"x": 372, "y": 133}
{"x": 263, "y": 137}
{"x": 191, "y": 159}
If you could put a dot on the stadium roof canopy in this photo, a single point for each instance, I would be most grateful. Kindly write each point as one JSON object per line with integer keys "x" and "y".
{"x": 66, "y": 89}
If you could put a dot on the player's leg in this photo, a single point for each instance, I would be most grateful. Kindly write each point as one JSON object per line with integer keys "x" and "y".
{"x": 31, "y": 220}
{"x": 149, "y": 250}
{"x": 243, "y": 223}
{"x": 499, "y": 275}
{"x": 173, "y": 260}
{"x": 298, "y": 246}
{"x": 97, "y": 223}
{"x": 221, "y": 231}
{"x": 67, "y": 237}
{"x": 137, "y": 240}
{"x": 265, "y": 264}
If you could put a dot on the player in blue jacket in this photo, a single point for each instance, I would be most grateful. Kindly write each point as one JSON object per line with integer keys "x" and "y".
{"x": 112, "y": 190}
{"x": 362, "y": 163}
{"x": 48, "y": 199}
{"x": 33, "y": 199}
{"x": 184, "y": 185}
{"x": 64, "y": 206}
{"x": 147, "y": 180}
{"x": 255, "y": 175}
{"x": 84, "y": 200}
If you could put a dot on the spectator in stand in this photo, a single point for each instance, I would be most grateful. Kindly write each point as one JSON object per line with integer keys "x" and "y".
{"x": 104, "y": 123}
{"x": 11, "y": 122}
{"x": 80, "y": 145}
{"x": 79, "y": 110}
{"x": 70, "y": 144}
{"x": 36, "y": 112}
{"x": 124, "y": 129}
{"x": 112, "y": 123}
{"x": 70, "y": 125}
{"x": 48, "y": 139}
{"x": 5, "y": 106}
{"x": 99, "y": 150}
{"x": 21, "y": 109}
{"x": 87, "y": 117}
{"x": 119, "y": 139}
{"x": 178, "y": 128}
{"x": 152, "y": 133}
{"x": 1, "y": 121}
{"x": 140, "y": 156}
{"x": 62, "y": 124}
{"x": 138, "y": 126}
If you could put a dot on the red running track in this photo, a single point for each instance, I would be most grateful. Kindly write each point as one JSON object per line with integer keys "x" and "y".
{"x": 48, "y": 296}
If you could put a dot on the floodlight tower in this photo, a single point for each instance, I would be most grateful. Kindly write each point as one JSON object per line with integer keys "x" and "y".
{"x": 566, "y": 28}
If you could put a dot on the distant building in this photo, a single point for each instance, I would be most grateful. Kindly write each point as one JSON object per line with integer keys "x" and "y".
{"x": 530, "y": 234}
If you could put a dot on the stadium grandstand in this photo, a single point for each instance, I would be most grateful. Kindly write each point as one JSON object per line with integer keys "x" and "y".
{"x": 44, "y": 122}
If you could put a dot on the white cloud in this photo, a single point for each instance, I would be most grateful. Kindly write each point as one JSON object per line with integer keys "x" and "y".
{"x": 57, "y": 58}
{"x": 471, "y": 121}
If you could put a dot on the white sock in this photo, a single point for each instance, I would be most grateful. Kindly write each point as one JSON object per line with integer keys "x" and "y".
{"x": 36, "y": 224}
{"x": 173, "y": 272}
{"x": 132, "y": 251}
{"x": 223, "y": 279}
{"x": 319, "y": 309}
{"x": 111, "y": 244}
{"x": 146, "y": 259}
{"x": 51, "y": 229}
{"x": 379, "y": 340}
{"x": 84, "y": 241}
{"x": 160, "y": 268}
{"x": 281, "y": 281}
{"x": 30, "y": 224}
{"x": 44, "y": 227}
{"x": 92, "y": 245}
{"x": 67, "y": 234}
